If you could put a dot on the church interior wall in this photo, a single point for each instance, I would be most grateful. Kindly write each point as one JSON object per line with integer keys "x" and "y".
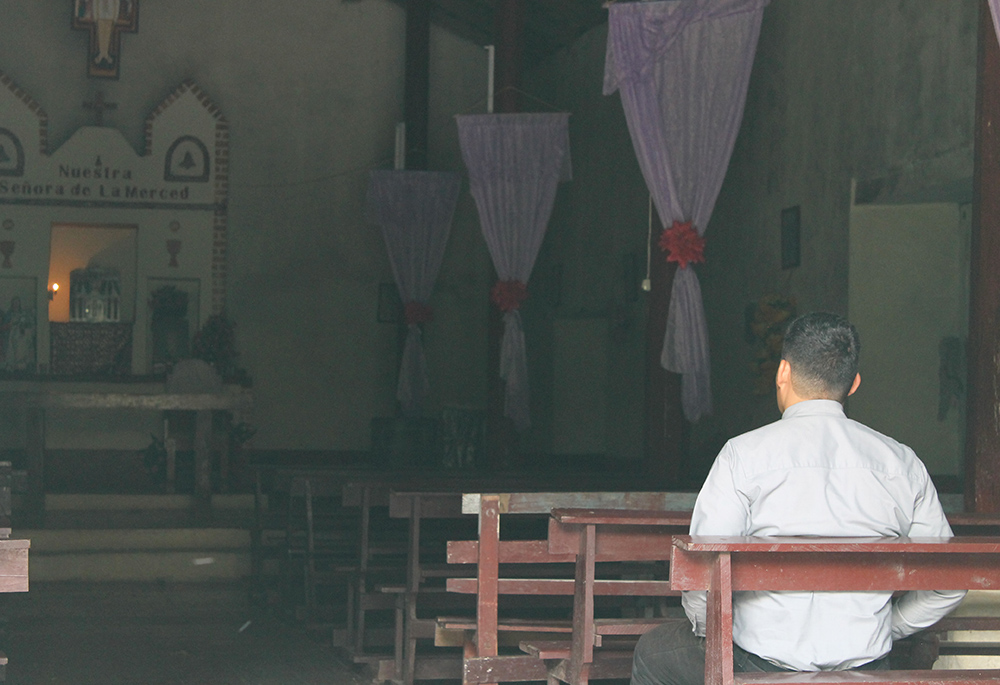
{"x": 312, "y": 91}
{"x": 840, "y": 91}
{"x": 882, "y": 92}
{"x": 878, "y": 91}
{"x": 595, "y": 253}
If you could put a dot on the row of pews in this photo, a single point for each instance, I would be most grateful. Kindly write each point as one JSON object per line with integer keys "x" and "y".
{"x": 485, "y": 580}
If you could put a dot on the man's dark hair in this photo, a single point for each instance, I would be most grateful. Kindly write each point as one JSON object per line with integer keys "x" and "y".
{"x": 822, "y": 349}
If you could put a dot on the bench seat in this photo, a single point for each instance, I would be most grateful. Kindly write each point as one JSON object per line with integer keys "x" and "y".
{"x": 942, "y": 677}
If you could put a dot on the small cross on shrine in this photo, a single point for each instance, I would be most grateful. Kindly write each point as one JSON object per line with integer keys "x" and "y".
{"x": 99, "y": 105}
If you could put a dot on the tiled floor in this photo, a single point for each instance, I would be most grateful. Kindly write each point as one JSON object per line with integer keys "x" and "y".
{"x": 158, "y": 634}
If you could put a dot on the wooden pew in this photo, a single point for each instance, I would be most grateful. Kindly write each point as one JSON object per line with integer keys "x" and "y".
{"x": 423, "y": 588}
{"x": 483, "y": 662}
{"x": 724, "y": 565}
{"x": 626, "y": 534}
{"x": 921, "y": 651}
{"x": 382, "y": 553}
{"x": 591, "y": 536}
{"x": 421, "y": 508}
{"x": 303, "y": 524}
{"x": 13, "y": 557}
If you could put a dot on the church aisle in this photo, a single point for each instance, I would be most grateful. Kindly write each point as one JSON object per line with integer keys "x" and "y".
{"x": 159, "y": 634}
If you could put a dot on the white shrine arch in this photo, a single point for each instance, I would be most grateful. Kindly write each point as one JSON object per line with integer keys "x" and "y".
{"x": 159, "y": 216}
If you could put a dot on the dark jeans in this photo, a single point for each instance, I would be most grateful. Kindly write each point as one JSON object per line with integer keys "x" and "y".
{"x": 671, "y": 654}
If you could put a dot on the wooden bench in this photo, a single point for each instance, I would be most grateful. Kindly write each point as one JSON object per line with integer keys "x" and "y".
{"x": 482, "y": 661}
{"x": 423, "y": 587}
{"x": 626, "y": 535}
{"x": 13, "y": 560}
{"x": 303, "y": 526}
{"x": 723, "y": 565}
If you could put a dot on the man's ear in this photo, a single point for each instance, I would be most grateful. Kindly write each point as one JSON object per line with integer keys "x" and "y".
{"x": 854, "y": 385}
{"x": 784, "y": 375}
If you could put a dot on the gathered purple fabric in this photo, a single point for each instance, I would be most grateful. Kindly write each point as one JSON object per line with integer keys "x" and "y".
{"x": 414, "y": 210}
{"x": 682, "y": 68}
{"x": 995, "y": 11}
{"x": 515, "y": 163}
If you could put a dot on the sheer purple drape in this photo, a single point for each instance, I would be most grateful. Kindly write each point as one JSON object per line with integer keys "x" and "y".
{"x": 682, "y": 68}
{"x": 515, "y": 163}
{"x": 414, "y": 209}
{"x": 995, "y": 11}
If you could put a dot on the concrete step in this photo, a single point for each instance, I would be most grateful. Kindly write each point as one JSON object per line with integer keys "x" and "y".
{"x": 237, "y": 502}
{"x": 158, "y": 554}
{"x": 48, "y": 541}
{"x": 144, "y": 538}
{"x": 140, "y": 565}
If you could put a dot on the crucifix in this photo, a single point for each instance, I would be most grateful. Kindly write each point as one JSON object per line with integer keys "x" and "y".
{"x": 105, "y": 20}
{"x": 98, "y": 106}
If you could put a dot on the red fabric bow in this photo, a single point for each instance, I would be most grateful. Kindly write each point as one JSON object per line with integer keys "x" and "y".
{"x": 508, "y": 295}
{"x": 682, "y": 244}
{"x": 417, "y": 312}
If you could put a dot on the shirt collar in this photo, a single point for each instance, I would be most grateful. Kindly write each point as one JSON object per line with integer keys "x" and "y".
{"x": 814, "y": 408}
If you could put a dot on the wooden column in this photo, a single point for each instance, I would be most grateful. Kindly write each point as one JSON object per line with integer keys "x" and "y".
{"x": 982, "y": 454}
{"x": 666, "y": 429}
{"x": 502, "y": 443}
{"x": 509, "y": 29}
{"x": 416, "y": 89}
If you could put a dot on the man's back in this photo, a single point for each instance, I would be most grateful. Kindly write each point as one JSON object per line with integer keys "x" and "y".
{"x": 816, "y": 473}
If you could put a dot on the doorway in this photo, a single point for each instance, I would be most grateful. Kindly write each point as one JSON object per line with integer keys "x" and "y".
{"x": 908, "y": 294}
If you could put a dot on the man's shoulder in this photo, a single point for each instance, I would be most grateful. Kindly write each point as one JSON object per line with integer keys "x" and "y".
{"x": 801, "y": 434}
{"x": 776, "y": 430}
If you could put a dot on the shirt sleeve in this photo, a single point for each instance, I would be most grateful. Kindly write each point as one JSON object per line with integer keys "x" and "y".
{"x": 915, "y": 611}
{"x": 720, "y": 509}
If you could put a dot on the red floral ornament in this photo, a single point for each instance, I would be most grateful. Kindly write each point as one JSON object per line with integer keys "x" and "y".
{"x": 508, "y": 295}
{"x": 682, "y": 244}
{"x": 417, "y": 312}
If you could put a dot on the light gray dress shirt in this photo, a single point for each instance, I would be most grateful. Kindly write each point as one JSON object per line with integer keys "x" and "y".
{"x": 817, "y": 473}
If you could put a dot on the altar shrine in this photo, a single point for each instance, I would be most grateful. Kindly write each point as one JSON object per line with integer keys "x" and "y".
{"x": 112, "y": 258}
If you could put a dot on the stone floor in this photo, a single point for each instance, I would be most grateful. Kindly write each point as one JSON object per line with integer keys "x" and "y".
{"x": 159, "y": 634}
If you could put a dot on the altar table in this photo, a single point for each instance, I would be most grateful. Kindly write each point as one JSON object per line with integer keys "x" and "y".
{"x": 36, "y": 398}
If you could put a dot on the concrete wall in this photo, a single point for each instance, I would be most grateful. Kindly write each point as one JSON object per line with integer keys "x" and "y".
{"x": 909, "y": 293}
{"x": 873, "y": 90}
{"x": 312, "y": 91}
{"x": 876, "y": 90}
{"x": 881, "y": 92}
{"x": 595, "y": 251}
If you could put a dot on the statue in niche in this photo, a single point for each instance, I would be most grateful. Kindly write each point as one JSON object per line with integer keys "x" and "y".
{"x": 18, "y": 337}
{"x": 169, "y": 306}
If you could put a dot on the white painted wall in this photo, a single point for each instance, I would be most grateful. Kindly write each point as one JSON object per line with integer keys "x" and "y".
{"x": 908, "y": 289}
{"x": 312, "y": 91}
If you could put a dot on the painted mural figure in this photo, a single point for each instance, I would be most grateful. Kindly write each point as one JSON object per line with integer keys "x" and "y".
{"x": 18, "y": 330}
{"x": 105, "y": 15}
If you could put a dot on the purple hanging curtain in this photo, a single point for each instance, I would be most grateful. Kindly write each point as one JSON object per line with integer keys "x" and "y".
{"x": 414, "y": 209}
{"x": 682, "y": 68}
{"x": 515, "y": 163}
{"x": 995, "y": 11}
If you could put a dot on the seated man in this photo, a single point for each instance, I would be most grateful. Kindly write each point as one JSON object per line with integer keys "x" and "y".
{"x": 813, "y": 473}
